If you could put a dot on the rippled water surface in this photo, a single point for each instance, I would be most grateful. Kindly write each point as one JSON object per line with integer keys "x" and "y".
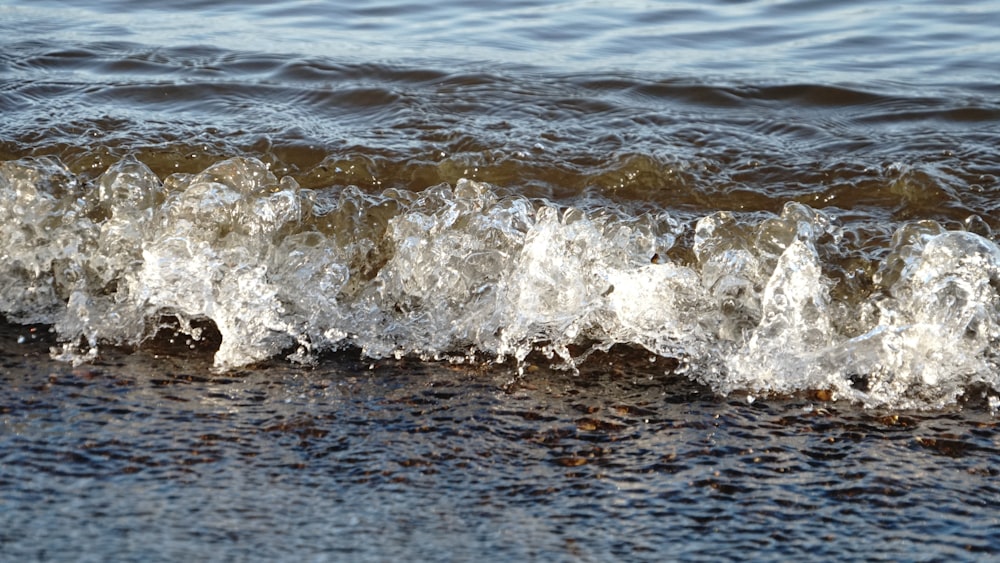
{"x": 528, "y": 280}
{"x": 153, "y": 457}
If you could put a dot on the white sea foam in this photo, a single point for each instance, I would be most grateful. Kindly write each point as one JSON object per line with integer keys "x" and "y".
{"x": 476, "y": 273}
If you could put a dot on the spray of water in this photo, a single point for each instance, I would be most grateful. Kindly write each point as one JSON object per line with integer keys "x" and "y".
{"x": 471, "y": 272}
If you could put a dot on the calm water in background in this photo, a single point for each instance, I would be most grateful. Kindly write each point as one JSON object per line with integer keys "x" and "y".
{"x": 880, "y": 116}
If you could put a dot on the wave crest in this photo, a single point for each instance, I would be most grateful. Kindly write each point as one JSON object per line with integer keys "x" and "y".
{"x": 755, "y": 303}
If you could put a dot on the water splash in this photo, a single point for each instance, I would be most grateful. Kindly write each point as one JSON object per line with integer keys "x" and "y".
{"x": 471, "y": 272}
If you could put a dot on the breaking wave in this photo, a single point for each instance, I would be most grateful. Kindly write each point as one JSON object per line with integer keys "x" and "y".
{"x": 757, "y": 303}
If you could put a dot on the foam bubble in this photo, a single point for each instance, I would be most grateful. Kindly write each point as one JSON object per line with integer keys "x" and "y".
{"x": 472, "y": 272}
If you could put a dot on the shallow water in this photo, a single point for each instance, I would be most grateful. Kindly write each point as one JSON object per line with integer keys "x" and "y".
{"x": 538, "y": 280}
{"x": 146, "y": 456}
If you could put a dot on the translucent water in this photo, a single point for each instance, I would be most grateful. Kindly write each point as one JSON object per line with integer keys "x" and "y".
{"x": 473, "y": 272}
{"x": 561, "y": 280}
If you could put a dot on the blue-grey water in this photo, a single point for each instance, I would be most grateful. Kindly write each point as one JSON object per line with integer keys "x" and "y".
{"x": 502, "y": 281}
